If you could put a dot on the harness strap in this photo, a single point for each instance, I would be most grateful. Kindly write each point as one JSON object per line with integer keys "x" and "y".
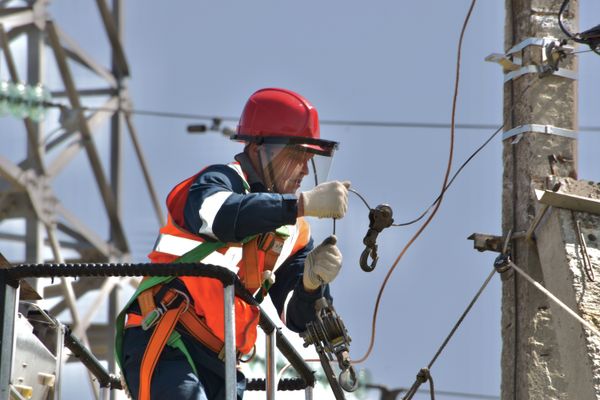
{"x": 194, "y": 325}
{"x": 158, "y": 340}
{"x": 260, "y": 254}
{"x": 253, "y": 260}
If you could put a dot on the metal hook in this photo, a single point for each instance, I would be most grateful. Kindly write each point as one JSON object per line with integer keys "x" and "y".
{"x": 380, "y": 218}
{"x": 364, "y": 258}
{"x": 348, "y": 380}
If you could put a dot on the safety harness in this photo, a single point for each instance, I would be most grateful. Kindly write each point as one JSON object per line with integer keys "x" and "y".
{"x": 163, "y": 307}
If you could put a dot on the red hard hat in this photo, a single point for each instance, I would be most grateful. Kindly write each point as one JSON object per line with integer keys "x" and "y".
{"x": 280, "y": 115}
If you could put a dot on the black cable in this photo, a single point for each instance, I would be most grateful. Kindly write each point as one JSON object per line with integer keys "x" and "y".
{"x": 376, "y": 124}
{"x": 454, "y": 176}
{"x": 560, "y": 21}
{"x": 590, "y": 37}
{"x": 462, "y": 166}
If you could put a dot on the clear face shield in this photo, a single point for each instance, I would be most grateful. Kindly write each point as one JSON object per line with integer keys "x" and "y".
{"x": 294, "y": 167}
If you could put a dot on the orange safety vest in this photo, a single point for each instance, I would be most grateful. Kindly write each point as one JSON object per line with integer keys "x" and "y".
{"x": 265, "y": 252}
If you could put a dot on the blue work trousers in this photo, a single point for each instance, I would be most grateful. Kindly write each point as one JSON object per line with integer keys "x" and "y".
{"x": 173, "y": 376}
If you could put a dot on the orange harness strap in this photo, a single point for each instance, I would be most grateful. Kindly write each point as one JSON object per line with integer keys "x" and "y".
{"x": 164, "y": 326}
{"x": 193, "y": 324}
{"x": 157, "y": 342}
{"x": 260, "y": 254}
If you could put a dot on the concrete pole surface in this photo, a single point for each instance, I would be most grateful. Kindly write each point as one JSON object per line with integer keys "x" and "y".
{"x": 531, "y": 365}
{"x": 569, "y": 250}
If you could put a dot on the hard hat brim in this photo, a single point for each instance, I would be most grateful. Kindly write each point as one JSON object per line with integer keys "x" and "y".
{"x": 317, "y": 146}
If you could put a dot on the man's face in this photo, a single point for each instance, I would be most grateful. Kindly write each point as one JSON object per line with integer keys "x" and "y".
{"x": 287, "y": 168}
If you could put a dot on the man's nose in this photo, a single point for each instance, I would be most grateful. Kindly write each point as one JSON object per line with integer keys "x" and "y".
{"x": 305, "y": 168}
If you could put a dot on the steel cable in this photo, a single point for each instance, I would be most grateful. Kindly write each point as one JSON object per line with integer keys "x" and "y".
{"x": 425, "y": 375}
{"x": 555, "y": 299}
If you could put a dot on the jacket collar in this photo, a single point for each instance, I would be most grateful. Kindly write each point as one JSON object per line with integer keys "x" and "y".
{"x": 256, "y": 184}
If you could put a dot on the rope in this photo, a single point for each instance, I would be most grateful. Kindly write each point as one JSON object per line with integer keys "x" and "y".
{"x": 555, "y": 299}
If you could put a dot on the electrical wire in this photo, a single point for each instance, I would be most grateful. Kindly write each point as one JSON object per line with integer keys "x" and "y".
{"x": 439, "y": 202}
{"x": 377, "y": 124}
{"x": 594, "y": 44}
{"x": 434, "y": 204}
{"x": 360, "y": 196}
{"x": 560, "y": 21}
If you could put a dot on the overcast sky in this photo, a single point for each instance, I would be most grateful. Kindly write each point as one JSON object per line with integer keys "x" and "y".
{"x": 380, "y": 61}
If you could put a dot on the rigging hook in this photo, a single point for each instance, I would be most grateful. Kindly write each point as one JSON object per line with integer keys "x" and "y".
{"x": 380, "y": 218}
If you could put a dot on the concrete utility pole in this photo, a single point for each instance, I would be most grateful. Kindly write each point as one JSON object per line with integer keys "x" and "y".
{"x": 535, "y": 155}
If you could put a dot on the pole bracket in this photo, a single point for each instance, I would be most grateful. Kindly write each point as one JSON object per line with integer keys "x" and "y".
{"x": 553, "y": 51}
{"x": 547, "y": 129}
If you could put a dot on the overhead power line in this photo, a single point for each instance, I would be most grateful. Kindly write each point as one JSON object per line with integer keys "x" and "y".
{"x": 23, "y": 100}
{"x": 335, "y": 122}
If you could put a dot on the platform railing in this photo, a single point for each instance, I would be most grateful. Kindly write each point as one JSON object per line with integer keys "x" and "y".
{"x": 9, "y": 294}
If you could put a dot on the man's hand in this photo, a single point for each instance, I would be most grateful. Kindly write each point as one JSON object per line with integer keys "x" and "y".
{"x": 327, "y": 200}
{"x": 322, "y": 264}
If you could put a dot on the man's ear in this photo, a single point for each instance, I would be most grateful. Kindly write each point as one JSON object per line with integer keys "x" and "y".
{"x": 252, "y": 149}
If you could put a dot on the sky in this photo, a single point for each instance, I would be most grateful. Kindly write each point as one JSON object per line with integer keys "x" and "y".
{"x": 381, "y": 61}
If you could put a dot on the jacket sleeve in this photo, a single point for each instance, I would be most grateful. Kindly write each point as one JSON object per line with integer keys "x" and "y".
{"x": 218, "y": 207}
{"x": 295, "y": 306}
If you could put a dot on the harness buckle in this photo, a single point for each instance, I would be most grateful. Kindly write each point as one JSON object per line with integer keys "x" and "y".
{"x": 152, "y": 318}
{"x": 168, "y": 300}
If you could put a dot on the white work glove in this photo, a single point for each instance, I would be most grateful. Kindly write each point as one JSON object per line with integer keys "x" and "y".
{"x": 327, "y": 200}
{"x": 322, "y": 264}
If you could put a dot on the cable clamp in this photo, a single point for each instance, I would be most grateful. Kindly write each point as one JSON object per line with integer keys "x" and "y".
{"x": 423, "y": 375}
{"x": 552, "y": 53}
{"x": 537, "y": 128}
{"x": 502, "y": 263}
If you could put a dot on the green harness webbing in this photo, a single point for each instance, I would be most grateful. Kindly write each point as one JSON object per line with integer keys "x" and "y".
{"x": 197, "y": 254}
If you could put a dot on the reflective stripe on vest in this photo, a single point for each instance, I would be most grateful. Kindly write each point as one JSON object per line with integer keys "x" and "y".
{"x": 178, "y": 246}
{"x": 206, "y": 293}
{"x": 174, "y": 241}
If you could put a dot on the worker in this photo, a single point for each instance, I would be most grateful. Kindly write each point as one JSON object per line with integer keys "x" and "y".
{"x": 246, "y": 216}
